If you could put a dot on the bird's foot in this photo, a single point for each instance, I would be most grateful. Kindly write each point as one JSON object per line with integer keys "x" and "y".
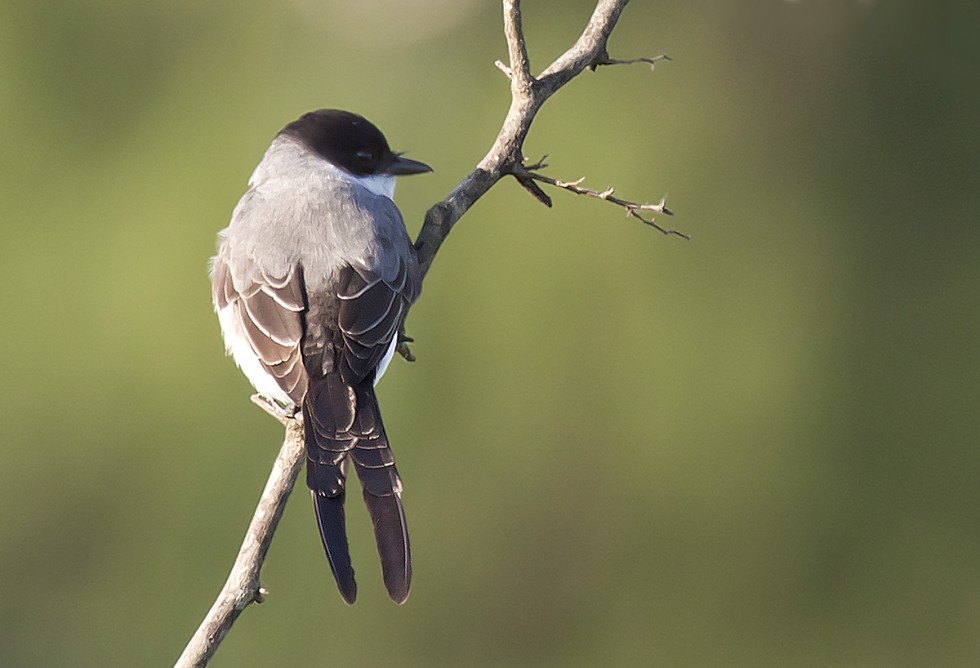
{"x": 285, "y": 414}
{"x": 402, "y": 346}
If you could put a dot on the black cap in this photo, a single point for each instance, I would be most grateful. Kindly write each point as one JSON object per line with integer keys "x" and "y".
{"x": 352, "y": 143}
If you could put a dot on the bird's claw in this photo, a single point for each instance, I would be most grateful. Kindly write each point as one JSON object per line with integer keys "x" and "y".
{"x": 402, "y": 346}
{"x": 285, "y": 414}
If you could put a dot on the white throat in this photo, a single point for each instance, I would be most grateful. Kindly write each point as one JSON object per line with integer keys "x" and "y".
{"x": 379, "y": 184}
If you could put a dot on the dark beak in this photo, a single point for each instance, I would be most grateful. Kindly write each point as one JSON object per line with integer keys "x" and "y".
{"x": 404, "y": 166}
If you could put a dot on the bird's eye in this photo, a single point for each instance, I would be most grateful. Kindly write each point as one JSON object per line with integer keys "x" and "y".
{"x": 363, "y": 156}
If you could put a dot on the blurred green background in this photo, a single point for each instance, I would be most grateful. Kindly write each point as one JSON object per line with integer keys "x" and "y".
{"x": 758, "y": 447}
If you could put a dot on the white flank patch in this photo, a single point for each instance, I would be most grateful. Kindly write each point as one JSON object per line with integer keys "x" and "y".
{"x": 236, "y": 343}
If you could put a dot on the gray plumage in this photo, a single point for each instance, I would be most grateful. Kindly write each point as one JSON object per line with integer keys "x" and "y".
{"x": 311, "y": 283}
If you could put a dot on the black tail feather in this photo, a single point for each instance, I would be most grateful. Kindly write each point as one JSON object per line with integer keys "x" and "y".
{"x": 375, "y": 466}
{"x": 333, "y": 531}
{"x": 391, "y": 534}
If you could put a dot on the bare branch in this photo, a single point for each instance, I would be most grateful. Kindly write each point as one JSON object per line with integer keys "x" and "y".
{"x": 242, "y": 586}
{"x": 528, "y": 94}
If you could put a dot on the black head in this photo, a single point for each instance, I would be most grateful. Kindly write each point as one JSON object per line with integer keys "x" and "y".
{"x": 351, "y": 142}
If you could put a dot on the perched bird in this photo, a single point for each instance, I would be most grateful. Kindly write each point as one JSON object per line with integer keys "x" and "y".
{"x": 311, "y": 283}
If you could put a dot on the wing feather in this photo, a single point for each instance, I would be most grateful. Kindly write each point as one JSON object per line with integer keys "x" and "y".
{"x": 268, "y": 309}
{"x": 370, "y": 312}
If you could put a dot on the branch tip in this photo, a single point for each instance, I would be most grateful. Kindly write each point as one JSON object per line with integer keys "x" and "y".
{"x": 666, "y": 231}
{"x": 520, "y": 65}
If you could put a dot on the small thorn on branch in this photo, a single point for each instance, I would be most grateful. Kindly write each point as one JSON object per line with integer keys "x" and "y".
{"x": 540, "y": 164}
{"x": 533, "y": 188}
{"x": 659, "y": 207}
{"x": 503, "y": 68}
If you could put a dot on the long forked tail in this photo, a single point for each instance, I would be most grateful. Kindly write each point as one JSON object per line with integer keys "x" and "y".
{"x": 342, "y": 420}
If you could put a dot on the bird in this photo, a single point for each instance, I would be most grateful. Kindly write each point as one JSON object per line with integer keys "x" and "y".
{"x": 311, "y": 283}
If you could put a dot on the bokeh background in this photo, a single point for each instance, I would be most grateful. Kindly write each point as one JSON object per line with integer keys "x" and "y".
{"x": 759, "y": 447}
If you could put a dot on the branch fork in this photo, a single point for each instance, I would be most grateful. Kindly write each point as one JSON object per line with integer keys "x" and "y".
{"x": 528, "y": 94}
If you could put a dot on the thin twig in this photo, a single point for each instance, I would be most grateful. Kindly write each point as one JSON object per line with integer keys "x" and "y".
{"x": 520, "y": 65}
{"x": 651, "y": 61}
{"x": 633, "y": 209}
